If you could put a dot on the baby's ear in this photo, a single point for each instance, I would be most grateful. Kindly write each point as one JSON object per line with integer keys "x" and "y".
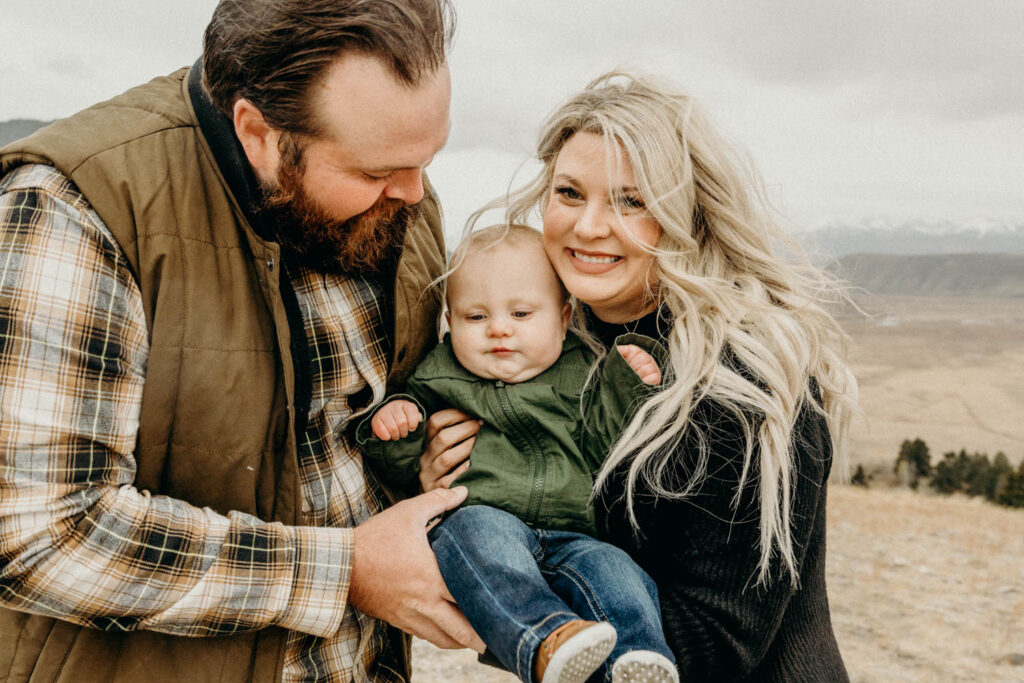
{"x": 448, "y": 318}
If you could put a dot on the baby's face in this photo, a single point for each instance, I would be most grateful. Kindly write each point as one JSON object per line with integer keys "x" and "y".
{"x": 506, "y": 312}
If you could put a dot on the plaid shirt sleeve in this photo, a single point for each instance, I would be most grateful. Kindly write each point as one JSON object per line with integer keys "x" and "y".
{"x": 77, "y": 540}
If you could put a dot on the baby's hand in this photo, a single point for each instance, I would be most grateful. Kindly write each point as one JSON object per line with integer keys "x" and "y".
{"x": 643, "y": 363}
{"x": 395, "y": 419}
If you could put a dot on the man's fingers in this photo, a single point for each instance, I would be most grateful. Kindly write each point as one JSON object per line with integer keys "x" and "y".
{"x": 455, "y": 626}
{"x": 446, "y": 628}
{"x": 435, "y": 502}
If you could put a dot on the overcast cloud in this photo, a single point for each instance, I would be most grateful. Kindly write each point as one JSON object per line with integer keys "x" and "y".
{"x": 853, "y": 109}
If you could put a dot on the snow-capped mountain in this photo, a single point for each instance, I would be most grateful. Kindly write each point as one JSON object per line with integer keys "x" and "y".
{"x": 877, "y": 236}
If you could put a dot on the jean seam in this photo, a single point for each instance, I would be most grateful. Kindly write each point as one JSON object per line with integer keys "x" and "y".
{"x": 541, "y": 537}
{"x": 585, "y": 589}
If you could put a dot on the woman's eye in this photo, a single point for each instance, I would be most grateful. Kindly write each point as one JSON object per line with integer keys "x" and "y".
{"x": 377, "y": 178}
{"x": 632, "y": 203}
{"x": 567, "y": 192}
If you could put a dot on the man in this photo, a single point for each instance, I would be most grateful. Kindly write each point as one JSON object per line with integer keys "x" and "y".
{"x": 204, "y": 279}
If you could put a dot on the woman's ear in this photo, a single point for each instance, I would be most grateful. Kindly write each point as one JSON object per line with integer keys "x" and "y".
{"x": 259, "y": 139}
{"x": 566, "y": 317}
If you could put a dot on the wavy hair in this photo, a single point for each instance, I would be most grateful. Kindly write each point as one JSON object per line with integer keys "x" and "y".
{"x": 749, "y": 326}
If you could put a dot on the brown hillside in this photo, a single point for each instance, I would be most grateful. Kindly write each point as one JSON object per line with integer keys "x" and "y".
{"x": 976, "y": 275}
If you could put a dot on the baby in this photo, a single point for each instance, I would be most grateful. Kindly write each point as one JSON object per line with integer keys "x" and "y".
{"x": 551, "y": 602}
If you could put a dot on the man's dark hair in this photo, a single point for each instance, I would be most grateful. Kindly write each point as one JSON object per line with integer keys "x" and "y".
{"x": 271, "y": 52}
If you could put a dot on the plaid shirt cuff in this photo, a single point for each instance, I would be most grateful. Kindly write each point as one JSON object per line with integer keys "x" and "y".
{"x": 323, "y": 565}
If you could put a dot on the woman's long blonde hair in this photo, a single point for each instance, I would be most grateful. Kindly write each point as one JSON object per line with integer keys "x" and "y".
{"x": 748, "y": 323}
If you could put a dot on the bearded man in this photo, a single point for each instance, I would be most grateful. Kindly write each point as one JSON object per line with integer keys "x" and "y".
{"x": 205, "y": 279}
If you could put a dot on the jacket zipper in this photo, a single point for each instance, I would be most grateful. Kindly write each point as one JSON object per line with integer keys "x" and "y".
{"x": 535, "y": 454}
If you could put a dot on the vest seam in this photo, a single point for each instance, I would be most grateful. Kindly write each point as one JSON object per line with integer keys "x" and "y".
{"x": 172, "y": 127}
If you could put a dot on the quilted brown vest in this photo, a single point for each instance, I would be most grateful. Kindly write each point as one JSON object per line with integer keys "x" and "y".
{"x": 217, "y": 408}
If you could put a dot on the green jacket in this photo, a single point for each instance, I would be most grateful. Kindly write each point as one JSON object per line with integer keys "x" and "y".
{"x": 541, "y": 440}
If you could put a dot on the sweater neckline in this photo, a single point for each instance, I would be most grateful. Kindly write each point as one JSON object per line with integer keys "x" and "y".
{"x": 655, "y": 324}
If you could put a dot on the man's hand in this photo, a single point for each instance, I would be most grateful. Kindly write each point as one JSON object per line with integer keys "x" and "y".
{"x": 450, "y": 437}
{"x": 395, "y": 576}
{"x": 643, "y": 363}
{"x": 395, "y": 419}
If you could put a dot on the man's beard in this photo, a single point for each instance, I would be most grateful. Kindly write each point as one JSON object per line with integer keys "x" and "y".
{"x": 367, "y": 243}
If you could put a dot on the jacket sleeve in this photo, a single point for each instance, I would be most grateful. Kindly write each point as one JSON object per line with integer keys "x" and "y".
{"x": 612, "y": 396}
{"x": 703, "y": 552}
{"x": 78, "y": 541}
{"x": 398, "y": 461}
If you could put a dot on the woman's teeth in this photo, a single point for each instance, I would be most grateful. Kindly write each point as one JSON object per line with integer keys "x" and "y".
{"x": 595, "y": 259}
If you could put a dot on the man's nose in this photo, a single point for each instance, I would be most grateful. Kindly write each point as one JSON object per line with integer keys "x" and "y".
{"x": 406, "y": 185}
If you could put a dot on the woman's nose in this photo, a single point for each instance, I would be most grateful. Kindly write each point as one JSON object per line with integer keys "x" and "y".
{"x": 593, "y": 222}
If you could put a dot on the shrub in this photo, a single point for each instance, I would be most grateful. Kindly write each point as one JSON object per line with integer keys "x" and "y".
{"x": 1013, "y": 490}
{"x": 913, "y": 463}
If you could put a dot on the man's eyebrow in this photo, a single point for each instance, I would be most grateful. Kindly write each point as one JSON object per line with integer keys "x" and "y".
{"x": 390, "y": 169}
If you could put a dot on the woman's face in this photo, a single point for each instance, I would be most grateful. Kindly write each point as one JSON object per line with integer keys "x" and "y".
{"x": 595, "y": 250}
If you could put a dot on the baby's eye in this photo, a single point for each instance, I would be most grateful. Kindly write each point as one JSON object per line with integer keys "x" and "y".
{"x": 568, "y": 192}
{"x": 475, "y": 317}
{"x": 521, "y": 314}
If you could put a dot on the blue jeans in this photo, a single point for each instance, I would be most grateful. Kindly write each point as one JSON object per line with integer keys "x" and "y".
{"x": 517, "y": 584}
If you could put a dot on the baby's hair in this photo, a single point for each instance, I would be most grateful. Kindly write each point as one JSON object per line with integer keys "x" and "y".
{"x": 510, "y": 234}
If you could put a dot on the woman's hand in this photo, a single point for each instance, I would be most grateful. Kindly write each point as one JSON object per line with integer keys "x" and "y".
{"x": 450, "y": 437}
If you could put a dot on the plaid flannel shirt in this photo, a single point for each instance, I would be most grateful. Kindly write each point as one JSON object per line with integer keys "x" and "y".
{"x": 78, "y": 541}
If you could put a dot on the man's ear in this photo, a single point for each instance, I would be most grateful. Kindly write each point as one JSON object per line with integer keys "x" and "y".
{"x": 259, "y": 139}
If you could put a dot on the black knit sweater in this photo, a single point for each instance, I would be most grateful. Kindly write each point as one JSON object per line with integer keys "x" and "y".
{"x": 703, "y": 553}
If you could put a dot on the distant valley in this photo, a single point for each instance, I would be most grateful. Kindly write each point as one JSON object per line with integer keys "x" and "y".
{"x": 996, "y": 276}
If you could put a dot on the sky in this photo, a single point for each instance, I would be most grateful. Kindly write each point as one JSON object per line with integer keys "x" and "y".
{"x": 888, "y": 111}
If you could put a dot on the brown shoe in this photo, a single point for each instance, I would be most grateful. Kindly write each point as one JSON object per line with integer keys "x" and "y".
{"x": 573, "y": 651}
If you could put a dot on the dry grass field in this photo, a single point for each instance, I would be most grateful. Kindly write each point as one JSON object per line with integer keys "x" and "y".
{"x": 923, "y": 587}
{"x": 950, "y": 371}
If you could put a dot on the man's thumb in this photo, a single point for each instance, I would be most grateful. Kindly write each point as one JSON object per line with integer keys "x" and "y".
{"x": 436, "y": 501}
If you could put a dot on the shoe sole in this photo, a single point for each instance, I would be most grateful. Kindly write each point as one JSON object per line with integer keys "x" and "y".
{"x": 644, "y": 667}
{"x": 581, "y": 655}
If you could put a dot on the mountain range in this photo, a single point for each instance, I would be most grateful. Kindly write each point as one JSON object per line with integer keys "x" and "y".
{"x": 842, "y": 238}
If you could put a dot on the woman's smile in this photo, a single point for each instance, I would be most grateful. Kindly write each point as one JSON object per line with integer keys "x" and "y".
{"x": 592, "y": 263}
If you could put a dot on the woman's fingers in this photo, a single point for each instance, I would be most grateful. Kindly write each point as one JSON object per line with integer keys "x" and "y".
{"x": 446, "y": 481}
{"x": 436, "y": 474}
{"x": 444, "y": 418}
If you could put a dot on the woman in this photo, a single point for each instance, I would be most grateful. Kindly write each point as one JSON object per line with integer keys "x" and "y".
{"x": 717, "y": 488}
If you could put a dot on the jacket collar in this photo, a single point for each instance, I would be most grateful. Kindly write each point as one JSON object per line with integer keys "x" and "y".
{"x": 219, "y": 132}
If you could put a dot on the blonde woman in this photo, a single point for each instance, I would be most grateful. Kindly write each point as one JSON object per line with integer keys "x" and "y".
{"x": 717, "y": 487}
